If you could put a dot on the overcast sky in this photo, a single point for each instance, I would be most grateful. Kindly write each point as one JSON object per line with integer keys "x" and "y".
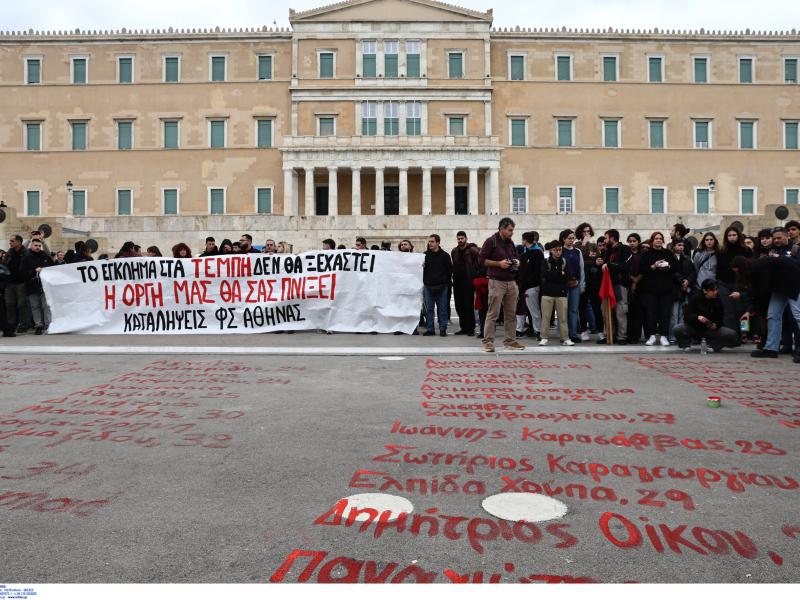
{"x": 148, "y": 14}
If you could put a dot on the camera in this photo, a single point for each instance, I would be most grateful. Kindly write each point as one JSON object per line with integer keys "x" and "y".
{"x": 514, "y": 266}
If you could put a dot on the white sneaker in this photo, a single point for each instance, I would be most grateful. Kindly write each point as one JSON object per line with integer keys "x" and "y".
{"x": 664, "y": 341}
{"x": 567, "y": 342}
{"x": 543, "y": 342}
{"x": 585, "y": 336}
{"x": 651, "y": 341}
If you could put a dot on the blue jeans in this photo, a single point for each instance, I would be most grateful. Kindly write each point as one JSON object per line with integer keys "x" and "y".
{"x": 777, "y": 303}
{"x": 573, "y": 310}
{"x": 440, "y": 300}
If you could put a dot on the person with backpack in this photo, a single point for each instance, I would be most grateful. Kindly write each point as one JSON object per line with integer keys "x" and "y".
{"x": 554, "y": 293}
{"x": 529, "y": 281}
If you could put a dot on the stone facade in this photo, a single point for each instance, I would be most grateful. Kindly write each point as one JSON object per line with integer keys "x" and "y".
{"x": 394, "y": 118}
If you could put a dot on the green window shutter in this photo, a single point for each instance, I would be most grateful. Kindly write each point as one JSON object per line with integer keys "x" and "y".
{"x": 34, "y": 205}
{"x": 746, "y": 135}
{"x": 517, "y": 132}
{"x": 170, "y": 134}
{"x": 612, "y": 200}
{"x": 611, "y": 134}
{"x": 413, "y": 127}
{"x": 563, "y": 64}
{"x": 265, "y": 67}
{"x": 654, "y": 63}
{"x": 369, "y": 126}
{"x": 656, "y": 134}
{"x": 326, "y": 65}
{"x": 264, "y": 201}
{"x": 124, "y": 202}
{"x": 702, "y": 202}
{"x": 390, "y": 65}
{"x": 517, "y": 68}
{"x": 657, "y": 201}
{"x": 217, "y": 202}
{"x": 609, "y": 68}
{"x": 370, "y": 70}
{"x": 79, "y": 70}
{"x": 746, "y": 70}
{"x": 701, "y": 133}
{"x": 79, "y": 136}
{"x": 456, "y": 126}
{"x": 217, "y": 134}
{"x": 34, "y": 71}
{"x": 456, "y": 66}
{"x": 217, "y": 68}
{"x": 518, "y": 200}
{"x": 564, "y": 132}
{"x": 126, "y": 70}
{"x": 791, "y": 136}
{"x": 700, "y": 70}
{"x": 78, "y": 202}
{"x": 171, "y": 69}
{"x": 326, "y": 126}
{"x": 124, "y": 135}
{"x": 34, "y": 136}
{"x": 565, "y": 200}
{"x": 264, "y": 133}
{"x": 793, "y": 197}
{"x": 412, "y": 65}
{"x": 790, "y": 70}
{"x": 748, "y": 202}
{"x": 170, "y": 202}
{"x": 391, "y": 126}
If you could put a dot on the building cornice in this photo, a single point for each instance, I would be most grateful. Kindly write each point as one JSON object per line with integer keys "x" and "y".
{"x": 146, "y": 35}
{"x": 639, "y": 35}
{"x": 309, "y": 14}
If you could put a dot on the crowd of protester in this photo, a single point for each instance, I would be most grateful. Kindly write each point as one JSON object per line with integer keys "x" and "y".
{"x": 725, "y": 293}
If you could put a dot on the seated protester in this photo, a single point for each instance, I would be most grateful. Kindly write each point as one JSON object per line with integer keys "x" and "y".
{"x": 658, "y": 278}
{"x": 554, "y": 293}
{"x": 685, "y": 282}
{"x": 703, "y": 319}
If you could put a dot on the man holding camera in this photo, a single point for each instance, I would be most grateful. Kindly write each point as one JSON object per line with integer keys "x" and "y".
{"x": 499, "y": 256}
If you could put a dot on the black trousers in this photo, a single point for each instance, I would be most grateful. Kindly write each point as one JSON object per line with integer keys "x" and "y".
{"x": 464, "y": 296}
{"x": 717, "y": 338}
{"x": 658, "y": 309}
{"x": 635, "y": 317}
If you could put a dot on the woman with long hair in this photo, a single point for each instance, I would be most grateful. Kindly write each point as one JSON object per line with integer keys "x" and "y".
{"x": 733, "y": 301}
{"x": 576, "y": 281}
{"x": 153, "y": 251}
{"x": 181, "y": 250}
{"x": 705, "y": 258}
{"x": 658, "y": 278}
{"x": 635, "y": 306}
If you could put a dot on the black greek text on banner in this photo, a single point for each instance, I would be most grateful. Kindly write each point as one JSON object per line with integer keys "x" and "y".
{"x": 347, "y": 291}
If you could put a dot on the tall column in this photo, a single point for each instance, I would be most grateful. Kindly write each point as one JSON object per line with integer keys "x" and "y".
{"x": 426, "y": 190}
{"x": 450, "y": 192}
{"x": 378, "y": 190}
{"x": 333, "y": 191}
{"x": 288, "y": 193}
{"x": 296, "y": 191}
{"x": 493, "y": 205}
{"x": 310, "y": 191}
{"x": 473, "y": 190}
{"x": 403, "y": 191}
{"x": 356, "y": 187}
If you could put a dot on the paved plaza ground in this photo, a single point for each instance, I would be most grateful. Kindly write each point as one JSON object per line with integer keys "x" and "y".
{"x": 226, "y": 458}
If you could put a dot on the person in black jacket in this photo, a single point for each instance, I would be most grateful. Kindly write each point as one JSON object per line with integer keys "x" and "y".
{"x": 463, "y": 257}
{"x": 529, "y": 280}
{"x": 16, "y": 300}
{"x": 32, "y": 264}
{"x": 615, "y": 260}
{"x": 436, "y": 277}
{"x": 554, "y": 293}
{"x": 703, "y": 319}
{"x": 658, "y": 278}
{"x": 685, "y": 285}
{"x": 733, "y": 301}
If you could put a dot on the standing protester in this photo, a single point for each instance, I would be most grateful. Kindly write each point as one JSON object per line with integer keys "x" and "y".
{"x": 576, "y": 282}
{"x": 269, "y": 247}
{"x": 211, "y": 247}
{"x": 615, "y": 260}
{"x": 679, "y": 232}
{"x": 764, "y": 242}
{"x": 153, "y": 251}
{"x": 658, "y": 277}
{"x": 594, "y": 279}
{"x": 529, "y": 281}
{"x": 635, "y": 306}
{"x": 327, "y": 244}
{"x": 405, "y": 246}
{"x": 463, "y": 257}
{"x": 246, "y": 244}
{"x": 15, "y": 294}
{"x": 361, "y": 243}
{"x": 436, "y": 276}
{"x": 705, "y": 259}
{"x": 32, "y": 264}
{"x": 685, "y": 279}
{"x": 733, "y": 303}
{"x": 181, "y": 250}
{"x": 703, "y": 320}
{"x": 587, "y": 319}
{"x": 554, "y": 292}
{"x": 499, "y": 256}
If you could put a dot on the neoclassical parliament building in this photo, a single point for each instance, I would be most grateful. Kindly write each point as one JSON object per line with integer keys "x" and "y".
{"x": 394, "y": 118}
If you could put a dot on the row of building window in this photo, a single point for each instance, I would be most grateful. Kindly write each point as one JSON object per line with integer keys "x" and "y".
{"x": 217, "y": 134}
{"x": 326, "y": 60}
{"x": 701, "y": 133}
{"x": 612, "y": 200}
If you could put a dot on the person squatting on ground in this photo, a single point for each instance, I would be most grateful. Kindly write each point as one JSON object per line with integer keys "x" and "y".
{"x": 703, "y": 320}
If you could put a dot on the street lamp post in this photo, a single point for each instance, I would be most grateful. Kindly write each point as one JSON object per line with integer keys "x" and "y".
{"x": 69, "y": 195}
{"x": 712, "y": 186}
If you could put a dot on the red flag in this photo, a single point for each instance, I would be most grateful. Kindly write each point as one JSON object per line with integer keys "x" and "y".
{"x": 607, "y": 289}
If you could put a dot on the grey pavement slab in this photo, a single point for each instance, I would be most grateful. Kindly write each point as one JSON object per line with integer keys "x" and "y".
{"x": 143, "y": 467}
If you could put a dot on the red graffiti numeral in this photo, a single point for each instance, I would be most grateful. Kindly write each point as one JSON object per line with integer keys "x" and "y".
{"x": 648, "y": 498}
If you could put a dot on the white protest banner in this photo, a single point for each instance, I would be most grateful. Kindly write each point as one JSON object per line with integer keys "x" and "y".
{"x": 347, "y": 291}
